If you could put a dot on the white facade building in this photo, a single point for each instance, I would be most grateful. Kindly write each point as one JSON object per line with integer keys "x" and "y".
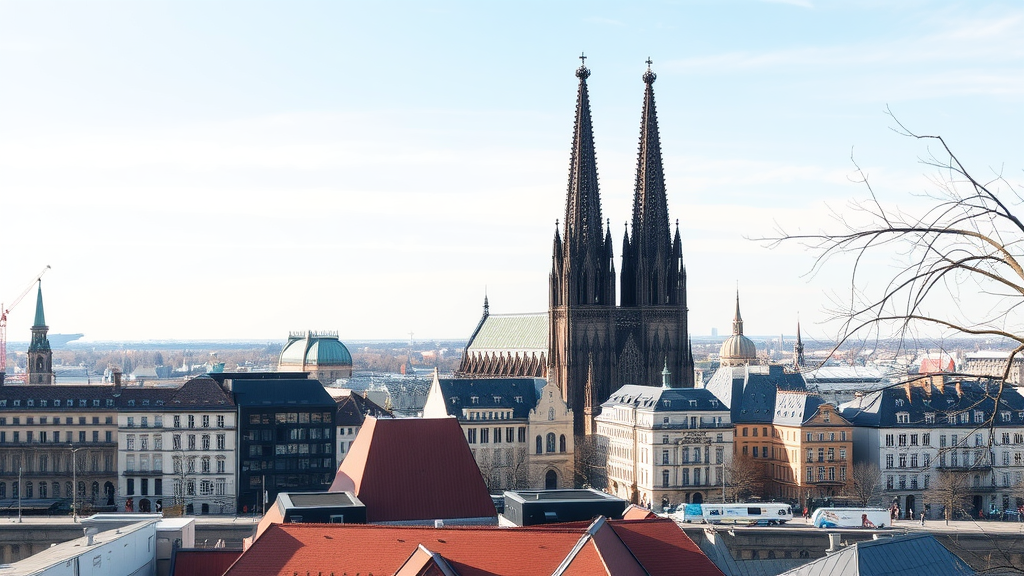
{"x": 665, "y": 446}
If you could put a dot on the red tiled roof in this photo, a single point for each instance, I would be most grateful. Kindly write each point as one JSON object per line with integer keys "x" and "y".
{"x": 663, "y": 548}
{"x": 622, "y": 547}
{"x": 203, "y": 562}
{"x": 285, "y": 549}
{"x": 409, "y": 469}
{"x": 937, "y": 365}
{"x": 634, "y": 512}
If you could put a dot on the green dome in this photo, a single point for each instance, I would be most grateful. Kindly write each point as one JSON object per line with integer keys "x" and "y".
{"x": 314, "y": 350}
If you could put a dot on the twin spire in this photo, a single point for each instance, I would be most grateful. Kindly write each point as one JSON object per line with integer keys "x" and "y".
{"x": 583, "y": 270}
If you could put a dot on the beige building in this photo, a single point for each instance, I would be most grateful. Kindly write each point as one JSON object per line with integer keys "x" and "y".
{"x": 519, "y": 429}
{"x": 665, "y": 446}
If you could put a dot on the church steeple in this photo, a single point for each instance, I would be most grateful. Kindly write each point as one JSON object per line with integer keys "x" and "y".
{"x": 737, "y": 320}
{"x": 798, "y": 348}
{"x": 656, "y": 263}
{"x": 40, "y": 357}
{"x": 586, "y": 276}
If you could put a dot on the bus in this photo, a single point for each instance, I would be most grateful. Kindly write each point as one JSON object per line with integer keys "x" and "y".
{"x": 755, "y": 514}
{"x": 850, "y": 518}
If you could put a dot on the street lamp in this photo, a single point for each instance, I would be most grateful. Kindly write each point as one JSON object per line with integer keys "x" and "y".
{"x": 74, "y": 482}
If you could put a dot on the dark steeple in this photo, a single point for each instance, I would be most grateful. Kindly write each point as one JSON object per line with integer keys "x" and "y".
{"x": 585, "y": 276}
{"x": 40, "y": 357}
{"x": 798, "y": 348}
{"x": 737, "y": 320}
{"x": 656, "y": 273}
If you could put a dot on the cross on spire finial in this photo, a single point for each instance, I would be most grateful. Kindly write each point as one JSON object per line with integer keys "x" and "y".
{"x": 583, "y": 72}
{"x": 583, "y": 59}
{"x": 649, "y": 77}
{"x": 649, "y": 62}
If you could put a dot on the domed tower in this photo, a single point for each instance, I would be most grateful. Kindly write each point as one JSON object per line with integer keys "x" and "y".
{"x": 319, "y": 353}
{"x": 738, "y": 350}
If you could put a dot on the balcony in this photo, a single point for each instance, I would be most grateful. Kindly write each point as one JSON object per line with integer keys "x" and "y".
{"x": 686, "y": 426}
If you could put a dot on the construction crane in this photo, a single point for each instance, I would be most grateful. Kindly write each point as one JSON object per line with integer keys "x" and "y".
{"x": 3, "y": 322}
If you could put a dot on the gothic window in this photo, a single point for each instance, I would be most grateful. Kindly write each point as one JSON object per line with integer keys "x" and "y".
{"x": 551, "y": 413}
{"x": 540, "y": 445}
{"x": 551, "y": 442}
{"x": 561, "y": 443}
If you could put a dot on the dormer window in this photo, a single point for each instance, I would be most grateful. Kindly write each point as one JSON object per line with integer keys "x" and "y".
{"x": 827, "y": 416}
{"x": 17, "y": 402}
{"x": 96, "y": 403}
{"x": 474, "y": 399}
{"x": 30, "y": 402}
{"x": 929, "y": 418}
{"x": 693, "y": 403}
{"x": 714, "y": 403}
{"x": 667, "y": 403}
{"x": 42, "y": 403}
{"x": 497, "y": 399}
{"x": 979, "y": 416}
{"x": 56, "y": 403}
{"x": 519, "y": 399}
{"x": 903, "y": 417}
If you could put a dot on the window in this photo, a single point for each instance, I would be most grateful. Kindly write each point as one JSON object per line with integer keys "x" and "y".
{"x": 979, "y": 416}
{"x": 176, "y": 442}
{"x": 929, "y": 418}
{"x": 485, "y": 435}
{"x": 206, "y": 421}
{"x": 206, "y": 441}
{"x": 191, "y": 421}
{"x": 926, "y": 439}
{"x": 810, "y": 474}
{"x": 889, "y": 458}
{"x": 664, "y": 478}
{"x": 145, "y": 421}
{"x": 831, "y": 454}
{"x": 177, "y": 419}
{"x": 561, "y": 442}
{"x": 129, "y": 442}
{"x": 131, "y": 421}
{"x": 903, "y": 418}
{"x": 903, "y": 460}
{"x": 540, "y": 445}
{"x": 471, "y": 435}
{"x": 808, "y": 436}
{"x": 221, "y": 441}
{"x": 810, "y": 455}
{"x": 664, "y": 456}
{"x": 131, "y": 487}
{"x": 551, "y": 442}
{"x": 902, "y": 439}
{"x": 144, "y": 442}
{"x": 158, "y": 442}
{"x": 521, "y": 434}
{"x": 890, "y": 440}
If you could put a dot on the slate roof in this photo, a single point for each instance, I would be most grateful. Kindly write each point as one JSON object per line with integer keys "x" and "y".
{"x": 17, "y": 398}
{"x": 664, "y": 399}
{"x": 414, "y": 469}
{"x": 278, "y": 392}
{"x": 511, "y": 332}
{"x": 354, "y": 408}
{"x": 879, "y": 408}
{"x": 490, "y": 393}
{"x": 197, "y": 394}
{"x": 643, "y": 547}
{"x": 910, "y": 554}
{"x": 795, "y": 408}
{"x": 749, "y": 391}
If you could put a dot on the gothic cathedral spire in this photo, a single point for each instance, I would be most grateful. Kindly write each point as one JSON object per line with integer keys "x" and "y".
{"x": 586, "y": 275}
{"x": 40, "y": 357}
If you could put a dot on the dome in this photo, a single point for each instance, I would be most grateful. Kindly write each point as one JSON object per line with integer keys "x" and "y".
{"x": 311, "y": 350}
{"x": 737, "y": 349}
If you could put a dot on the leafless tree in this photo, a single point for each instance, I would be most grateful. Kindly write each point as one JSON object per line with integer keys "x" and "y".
{"x": 957, "y": 268}
{"x": 866, "y": 483}
{"x": 951, "y": 490}
{"x": 589, "y": 459}
{"x": 745, "y": 478}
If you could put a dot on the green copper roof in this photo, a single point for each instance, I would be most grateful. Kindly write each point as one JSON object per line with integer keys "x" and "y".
{"x": 512, "y": 332}
{"x": 40, "y": 317}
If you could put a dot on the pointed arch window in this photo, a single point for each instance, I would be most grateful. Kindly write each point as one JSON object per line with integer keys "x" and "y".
{"x": 551, "y": 442}
{"x": 561, "y": 443}
{"x": 540, "y": 445}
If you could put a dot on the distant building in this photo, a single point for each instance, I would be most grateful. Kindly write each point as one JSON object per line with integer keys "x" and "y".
{"x": 518, "y": 429}
{"x": 40, "y": 357}
{"x": 993, "y": 363}
{"x": 665, "y": 446}
{"x": 737, "y": 350}
{"x": 320, "y": 354}
{"x": 286, "y": 428}
{"x": 900, "y": 554}
{"x": 507, "y": 346}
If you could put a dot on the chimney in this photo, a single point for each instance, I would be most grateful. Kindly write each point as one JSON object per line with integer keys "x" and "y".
{"x": 115, "y": 375}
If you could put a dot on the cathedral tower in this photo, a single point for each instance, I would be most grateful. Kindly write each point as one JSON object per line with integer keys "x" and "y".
{"x": 594, "y": 346}
{"x": 40, "y": 357}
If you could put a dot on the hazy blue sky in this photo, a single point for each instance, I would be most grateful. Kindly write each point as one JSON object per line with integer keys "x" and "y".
{"x": 241, "y": 169}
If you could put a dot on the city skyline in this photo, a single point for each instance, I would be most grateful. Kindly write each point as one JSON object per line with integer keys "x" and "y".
{"x": 240, "y": 170}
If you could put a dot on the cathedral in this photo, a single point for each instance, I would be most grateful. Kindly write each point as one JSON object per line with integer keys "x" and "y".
{"x": 598, "y": 340}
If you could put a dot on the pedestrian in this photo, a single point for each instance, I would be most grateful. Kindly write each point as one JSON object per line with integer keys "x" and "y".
{"x": 922, "y": 518}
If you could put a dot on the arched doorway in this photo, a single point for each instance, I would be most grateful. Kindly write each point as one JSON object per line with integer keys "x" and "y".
{"x": 108, "y": 492}
{"x": 698, "y": 498}
{"x": 550, "y": 480}
{"x": 204, "y": 509}
{"x": 911, "y": 509}
{"x": 978, "y": 504}
{"x": 145, "y": 505}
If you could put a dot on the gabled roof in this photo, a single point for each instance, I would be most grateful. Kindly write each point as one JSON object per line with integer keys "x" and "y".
{"x": 202, "y": 393}
{"x": 658, "y": 399}
{"x": 634, "y": 512}
{"x": 749, "y": 391}
{"x": 414, "y": 469}
{"x": 654, "y": 547}
{"x": 518, "y": 394}
{"x": 353, "y": 408}
{"x": 511, "y": 332}
{"x": 910, "y": 554}
{"x": 795, "y": 408}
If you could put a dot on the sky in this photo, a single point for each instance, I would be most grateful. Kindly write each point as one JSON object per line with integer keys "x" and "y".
{"x": 239, "y": 169}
